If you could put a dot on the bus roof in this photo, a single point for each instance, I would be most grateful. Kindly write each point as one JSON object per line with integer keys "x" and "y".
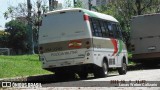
{"x": 88, "y": 12}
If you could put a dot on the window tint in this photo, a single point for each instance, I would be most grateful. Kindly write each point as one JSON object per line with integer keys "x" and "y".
{"x": 115, "y": 30}
{"x": 106, "y": 29}
{"x": 92, "y": 29}
{"x": 110, "y": 28}
{"x": 96, "y": 29}
{"x": 119, "y": 31}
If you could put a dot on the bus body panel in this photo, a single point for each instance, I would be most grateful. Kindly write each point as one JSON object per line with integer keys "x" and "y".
{"x": 65, "y": 40}
{"x": 53, "y": 30}
{"x": 101, "y": 48}
{"x": 145, "y": 37}
{"x": 104, "y": 47}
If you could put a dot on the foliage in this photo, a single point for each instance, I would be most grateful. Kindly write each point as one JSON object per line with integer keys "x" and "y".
{"x": 75, "y": 4}
{"x": 3, "y": 39}
{"x": 17, "y": 35}
{"x": 37, "y": 9}
{"x": 21, "y": 10}
{"x": 124, "y": 10}
{"x": 20, "y": 66}
{"x": 68, "y": 3}
{"x": 78, "y": 4}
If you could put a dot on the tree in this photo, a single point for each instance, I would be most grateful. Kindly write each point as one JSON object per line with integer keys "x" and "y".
{"x": 21, "y": 10}
{"x": 68, "y": 4}
{"x": 17, "y": 36}
{"x": 124, "y": 10}
{"x": 78, "y": 4}
{"x": 38, "y": 8}
{"x": 142, "y": 6}
{"x": 3, "y": 39}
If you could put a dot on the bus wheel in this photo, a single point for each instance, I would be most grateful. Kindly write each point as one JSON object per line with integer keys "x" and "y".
{"x": 123, "y": 69}
{"x": 102, "y": 71}
{"x": 83, "y": 75}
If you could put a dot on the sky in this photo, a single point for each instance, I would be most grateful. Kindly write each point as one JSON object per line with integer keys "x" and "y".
{"x": 5, "y": 4}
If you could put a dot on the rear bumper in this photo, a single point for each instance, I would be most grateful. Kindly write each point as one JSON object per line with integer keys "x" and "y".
{"x": 86, "y": 59}
{"x": 146, "y": 57}
{"x": 73, "y": 68}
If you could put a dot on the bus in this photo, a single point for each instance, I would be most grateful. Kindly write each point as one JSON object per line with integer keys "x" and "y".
{"x": 78, "y": 41}
{"x": 145, "y": 39}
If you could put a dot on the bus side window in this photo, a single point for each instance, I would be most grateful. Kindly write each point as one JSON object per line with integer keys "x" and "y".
{"x": 103, "y": 28}
{"x": 110, "y": 28}
{"x": 96, "y": 28}
{"x": 105, "y": 31}
{"x": 91, "y": 24}
{"x": 119, "y": 31}
{"x": 115, "y": 31}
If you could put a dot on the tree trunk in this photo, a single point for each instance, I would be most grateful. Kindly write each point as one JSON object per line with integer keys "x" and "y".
{"x": 138, "y": 5}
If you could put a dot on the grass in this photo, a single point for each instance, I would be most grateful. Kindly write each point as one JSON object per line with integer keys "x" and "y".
{"x": 20, "y": 66}
{"x": 24, "y": 65}
{"x": 131, "y": 63}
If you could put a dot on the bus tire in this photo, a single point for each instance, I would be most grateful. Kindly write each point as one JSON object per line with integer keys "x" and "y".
{"x": 101, "y": 71}
{"x": 123, "y": 69}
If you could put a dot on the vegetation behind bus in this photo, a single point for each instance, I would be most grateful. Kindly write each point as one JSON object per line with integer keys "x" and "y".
{"x": 123, "y": 10}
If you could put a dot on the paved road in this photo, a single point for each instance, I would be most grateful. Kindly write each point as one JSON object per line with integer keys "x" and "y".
{"x": 135, "y": 73}
{"x": 141, "y": 73}
{"x": 148, "y": 75}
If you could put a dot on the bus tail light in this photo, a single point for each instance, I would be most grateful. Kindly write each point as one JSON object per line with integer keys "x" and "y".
{"x": 86, "y": 17}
